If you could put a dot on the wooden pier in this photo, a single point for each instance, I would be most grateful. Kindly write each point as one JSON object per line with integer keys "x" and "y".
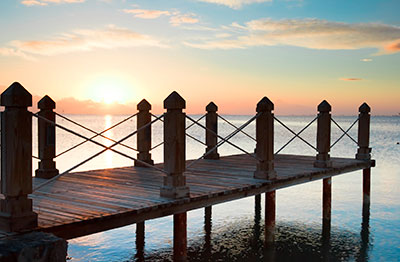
{"x": 73, "y": 204}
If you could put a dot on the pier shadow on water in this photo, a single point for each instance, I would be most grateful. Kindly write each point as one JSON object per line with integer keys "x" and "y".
{"x": 244, "y": 241}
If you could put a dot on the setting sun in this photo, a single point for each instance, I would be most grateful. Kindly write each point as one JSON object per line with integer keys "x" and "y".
{"x": 110, "y": 89}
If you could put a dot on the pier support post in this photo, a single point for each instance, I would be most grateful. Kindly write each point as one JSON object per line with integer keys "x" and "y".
{"x": 364, "y": 151}
{"x": 265, "y": 140}
{"x": 144, "y": 135}
{"x": 47, "y": 139}
{"x": 16, "y": 211}
{"x": 140, "y": 235}
{"x": 211, "y": 124}
{"x": 207, "y": 231}
{"x": 270, "y": 211}
{"x": 174, "y": 148}
{"x": 180, "y": 237}
{"x": 257, "y": 219}
{"x": 326, "y": 207}
{"x": 323, "y": 135}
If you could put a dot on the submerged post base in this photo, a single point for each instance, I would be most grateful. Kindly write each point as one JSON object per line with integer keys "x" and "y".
{"x": 34, "y": 246}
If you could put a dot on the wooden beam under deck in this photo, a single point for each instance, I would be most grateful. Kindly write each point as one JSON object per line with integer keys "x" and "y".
{"x": 83, "y": 203}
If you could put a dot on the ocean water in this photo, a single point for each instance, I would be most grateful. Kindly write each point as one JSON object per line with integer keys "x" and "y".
{"x": 235, "y": 232}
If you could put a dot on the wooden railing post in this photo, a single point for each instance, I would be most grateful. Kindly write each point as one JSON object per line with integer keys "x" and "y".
{"x": 323, "y": 161}
{"x": 47, "y": 139}
{"x": 323, "y": 135}
{"x": 144, "y": 135}
{"x": 364, "y": 151}
{"x": 211, "y": 124}
{"x": 174, "y": 148}
{"x": 16, "y": 211}
{"x": 265, "y": 140}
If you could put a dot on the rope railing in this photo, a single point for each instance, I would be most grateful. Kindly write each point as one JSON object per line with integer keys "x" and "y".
{"x": 96, "y": 133}
{"x": 189, "y": 126}
{"x": 100, "y": 152}
{"x": 291, "y": 131}
{"x": 223, "y": 140}
{"x": 159, "y": 144}
{"x": 188, "y": 135}
{"x": 232, "y": 125}
{"x": 296, "y": 135}
{"x": 345, "y": 133}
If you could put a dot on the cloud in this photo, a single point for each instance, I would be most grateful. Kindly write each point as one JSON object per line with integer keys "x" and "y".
{"x": 366, "y": 60}
{"x": 309, "y": 33}
{"x": 32, "y": 2}
{"x": 146, "y": 14}
{"x": 179, "y": 19}
{"x": 5, "y": 51}
{"x": 176, "y": 17}
{"x": 351, "y": 79}
{"x": 80, "y": 40}
{"x": 235, "y": 4}
{"x": 46, "y": 2}
{"x": 393, "y": 47}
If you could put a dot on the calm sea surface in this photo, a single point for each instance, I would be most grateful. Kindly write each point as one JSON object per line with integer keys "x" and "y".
{"x": 237, "y": 226}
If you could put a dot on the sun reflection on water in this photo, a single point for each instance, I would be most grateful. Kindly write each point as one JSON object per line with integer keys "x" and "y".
{"x": 108, "y": 155}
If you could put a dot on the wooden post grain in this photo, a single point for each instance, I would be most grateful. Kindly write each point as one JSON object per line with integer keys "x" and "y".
{"x": 212, "y": 130}
{"x": 270, "y": 216}
{"x": 364, "y": 151}
{"x": 265, "y": 140}
{"x": 47, "y": 139}
{"x": 326, "y": 207}
{"x": 180, "y": 237}
{"x": 16, "y": 160}
{"x": 144, "y": 135}
{"x": 207, "y": 232}
{"x": 174, "y": 185}
{"x": 323, "y": 135}
{"x": 140, "y": 237}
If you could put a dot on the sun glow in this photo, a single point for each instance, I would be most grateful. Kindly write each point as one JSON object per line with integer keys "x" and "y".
{"x": 109, "y": 90}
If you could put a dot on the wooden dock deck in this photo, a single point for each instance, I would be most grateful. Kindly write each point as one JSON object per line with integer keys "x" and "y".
{"x": 82, "y": 203}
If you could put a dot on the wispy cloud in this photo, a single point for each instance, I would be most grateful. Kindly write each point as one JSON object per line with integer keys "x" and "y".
{"x": 393, "y": 47}
{"x": 351, "y": 79}
{"x": 235, "y": 4}
{"x": 146, "y": 14}
{"x": 176, "y": 17}
{"x": 179, "y": 19}
{"x": 80, "y": 40}
{"x": 309, "y": 33}
{"x": 366, "y": 60}
{"x": 46, "y": 2}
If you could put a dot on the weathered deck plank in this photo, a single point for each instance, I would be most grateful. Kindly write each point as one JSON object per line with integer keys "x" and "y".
{"x": 82, "y": 203}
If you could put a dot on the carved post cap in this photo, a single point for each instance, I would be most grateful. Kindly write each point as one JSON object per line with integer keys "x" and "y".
{"x": 16, "y": 96}
{"x": 174, "y": 101}
{"x": 46, "y": 103}
{"x": 264, "y": 105}
{"x": 144, "y": 105}
{"x": 324, "y": 106}
{"x": 211, "y": 107}
{"x": 364, "y": 108}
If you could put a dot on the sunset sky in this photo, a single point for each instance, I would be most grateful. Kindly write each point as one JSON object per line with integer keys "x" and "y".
{"x": 89, "y": 55}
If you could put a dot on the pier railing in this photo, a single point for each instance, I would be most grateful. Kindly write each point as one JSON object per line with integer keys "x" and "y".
{"x": 16, "y": 136}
